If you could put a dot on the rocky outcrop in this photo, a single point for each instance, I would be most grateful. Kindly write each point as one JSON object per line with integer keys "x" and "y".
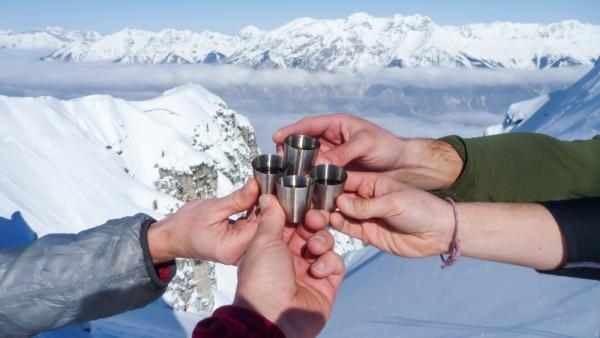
{"x": 193, "y": 287}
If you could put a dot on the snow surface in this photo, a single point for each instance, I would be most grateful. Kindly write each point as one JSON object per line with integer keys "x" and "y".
{"x": 359, "y": 42}
{"x": 573, "y": 113}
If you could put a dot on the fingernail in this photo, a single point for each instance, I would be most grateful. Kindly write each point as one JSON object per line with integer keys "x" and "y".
{"x": 319, "y": 267}
{"x": 264, "y": 201}
{"x": 321, "y": 160}
{"x": 344, "y": 201}
{"x": 318, "y": 239}
{"x": 276, "y": 135}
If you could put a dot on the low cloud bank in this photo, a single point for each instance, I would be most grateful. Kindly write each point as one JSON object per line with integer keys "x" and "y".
{"x": 22, "y": 70}
{"x": 423, "y": 102}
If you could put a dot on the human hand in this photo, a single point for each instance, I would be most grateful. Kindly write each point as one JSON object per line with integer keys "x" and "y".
{"x": 201, "y": 229}
{"x": 391, "y": 216}
{"x": 348, "y": 139}
{"x": 291, "y": 277}
{"x": 359, "y": 145}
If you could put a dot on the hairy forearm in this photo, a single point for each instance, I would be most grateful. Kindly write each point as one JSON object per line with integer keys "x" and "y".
{"x": 522, "y": 234}
{"x": 427, "y": 164}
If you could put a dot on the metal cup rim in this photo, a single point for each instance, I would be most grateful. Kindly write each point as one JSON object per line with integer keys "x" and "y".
{"x": 281, "y": 161}
{"x": 309, "y": 181}
{"x": 290, "y": 141}
{"x": 339, "y": 174}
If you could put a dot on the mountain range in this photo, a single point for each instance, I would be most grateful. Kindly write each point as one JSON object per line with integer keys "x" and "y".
{"x": 359, "y": 42}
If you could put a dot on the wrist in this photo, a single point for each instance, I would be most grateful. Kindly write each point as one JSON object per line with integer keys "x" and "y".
{"x": 159, "y": 242}
{"x": 429, "y": 164}
{"x": 446, "y": 228}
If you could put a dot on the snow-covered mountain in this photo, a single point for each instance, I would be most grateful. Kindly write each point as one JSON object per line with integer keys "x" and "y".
{"x": 359, "y": 42}
{"x": 138, "y": 46}
{"x": 70, "y": 165}
{"x": 49, "y": 38}
{"x": 572, "y": 113}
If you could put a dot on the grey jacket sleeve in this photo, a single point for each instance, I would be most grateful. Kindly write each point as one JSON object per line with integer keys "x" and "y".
{"x": 64, "y": 279}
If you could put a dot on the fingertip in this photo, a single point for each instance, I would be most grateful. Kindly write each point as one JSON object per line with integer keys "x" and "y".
{"x": 343, "y": 202}
{"x": 251, "y": 187}
{"x": 322, "y": 160}
{"x": 278, "y": 136}
{"x": 336, "y": 220}
{"x": 318, "y": 269}
{"x": 265, "y": 201}
{"x": 320, "y": 243}
{"x": 316, "y": 220}
{"x": 328, "y": 264}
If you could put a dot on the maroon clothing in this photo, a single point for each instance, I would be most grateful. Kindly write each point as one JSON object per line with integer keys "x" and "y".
{"x": 236, "y": 322}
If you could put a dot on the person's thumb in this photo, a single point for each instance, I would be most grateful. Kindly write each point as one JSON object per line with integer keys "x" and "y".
{"x": 272, "y": 219}
{"x": 238, "y": 201}
{"x": 363, "y": 208}
{"x": 357, "y": 146}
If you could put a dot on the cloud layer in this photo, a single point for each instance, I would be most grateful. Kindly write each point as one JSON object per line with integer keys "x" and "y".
{"x": 427, "y": 102}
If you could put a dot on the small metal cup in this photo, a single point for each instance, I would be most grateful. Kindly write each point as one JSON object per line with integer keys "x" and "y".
{"x": 329, "y": 184}
{"x": 267, "y": 169}
{"x": 300, "y": 153}
{"x": 295, "y": 195}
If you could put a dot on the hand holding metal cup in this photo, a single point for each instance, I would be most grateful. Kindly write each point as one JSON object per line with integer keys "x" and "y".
{"x": 295, "y": 196}
{"x": 267, "y": 170}
{"x": 329, "y": 184}
{"x": 300, "y": 152}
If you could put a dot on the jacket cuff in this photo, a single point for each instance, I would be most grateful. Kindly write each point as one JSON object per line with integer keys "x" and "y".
{"x": 160, "y": 274}
{"x": 464, "y": 183}
{"x": 236, "y": 322}
{"x": 579, "y": 222}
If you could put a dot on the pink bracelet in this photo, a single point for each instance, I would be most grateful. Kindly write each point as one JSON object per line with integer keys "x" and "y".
{"x": 455, "y": 246}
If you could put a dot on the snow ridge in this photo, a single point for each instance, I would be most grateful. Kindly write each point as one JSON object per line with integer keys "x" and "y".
{"x": 359, "y": 42}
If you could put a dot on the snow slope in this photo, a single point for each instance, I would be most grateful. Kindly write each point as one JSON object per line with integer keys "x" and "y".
{"x": 359, "y": 42}
{"x": 387, "y": 296}
{"x": 573, "y": 113}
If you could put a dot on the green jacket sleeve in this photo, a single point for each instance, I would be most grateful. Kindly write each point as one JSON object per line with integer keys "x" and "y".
{"x": 525, "y": 167}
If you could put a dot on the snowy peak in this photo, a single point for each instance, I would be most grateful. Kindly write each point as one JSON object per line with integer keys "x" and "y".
{"x": 139, "y": 46}
{"x": 356, "y": 43}
{"x": 49, "y": 37}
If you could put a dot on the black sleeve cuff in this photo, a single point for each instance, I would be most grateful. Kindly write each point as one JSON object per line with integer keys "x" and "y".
{"x": 579, "y": 222}
{"x": 150, "y": 266}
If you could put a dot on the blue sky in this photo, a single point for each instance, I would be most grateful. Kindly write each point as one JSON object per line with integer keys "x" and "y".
{"x": 230, "y": 16}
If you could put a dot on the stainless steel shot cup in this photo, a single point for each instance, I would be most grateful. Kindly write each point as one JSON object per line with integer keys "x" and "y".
{"x": 329, "y": 184}
{"x": 295, "y": 196}
{"x": 300, "y": 152}
{"x": 267, "y": 170}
